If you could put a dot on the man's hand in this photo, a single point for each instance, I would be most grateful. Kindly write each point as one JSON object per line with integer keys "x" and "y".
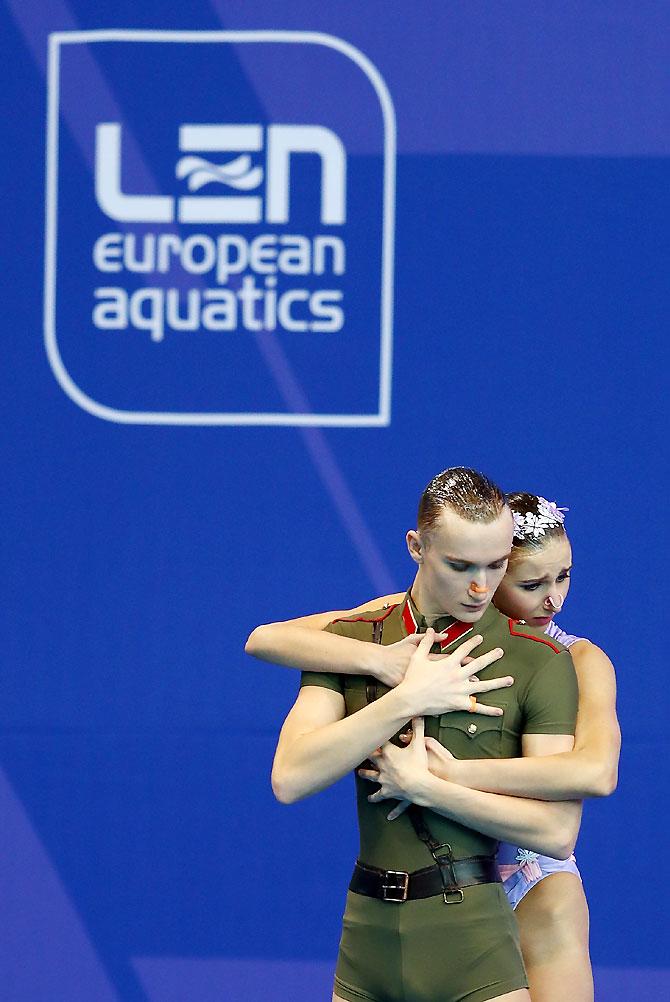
{"x": 438, "y": 683}
{"x": 399, "y": 771}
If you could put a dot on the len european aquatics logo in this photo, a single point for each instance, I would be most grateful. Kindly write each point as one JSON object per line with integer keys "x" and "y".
{"x": 201, "y": 248}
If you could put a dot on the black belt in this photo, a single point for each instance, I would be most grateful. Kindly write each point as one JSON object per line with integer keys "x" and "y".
{"x": 447, "y": 879}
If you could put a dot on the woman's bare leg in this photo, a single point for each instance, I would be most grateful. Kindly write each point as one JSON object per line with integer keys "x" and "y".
{"x": 554, "y": 925}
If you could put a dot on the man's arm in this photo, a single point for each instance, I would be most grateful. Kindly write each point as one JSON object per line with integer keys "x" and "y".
{"x": 589, "y": 770}
{"x": 549, "y": 828}
{"x": 318, "y": 744}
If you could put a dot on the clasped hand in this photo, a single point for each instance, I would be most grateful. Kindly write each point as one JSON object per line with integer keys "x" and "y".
{"x": 399, "y": 771}
{"x": 439, "y": 683}
{"x": 392, "y": 660}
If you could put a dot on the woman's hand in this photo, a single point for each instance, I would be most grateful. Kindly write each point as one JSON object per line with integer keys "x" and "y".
{"x": 440, "y": 760}
{"x": 398, "y": 771}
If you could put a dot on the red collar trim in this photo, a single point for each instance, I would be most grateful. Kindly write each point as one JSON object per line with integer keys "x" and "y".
{"x": 455, "y": 632}
{"x": 530, "y": 636}
{"x": 408, "y": 618}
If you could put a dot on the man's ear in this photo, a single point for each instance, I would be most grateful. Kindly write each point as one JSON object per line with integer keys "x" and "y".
{"x": 415, "y": 546}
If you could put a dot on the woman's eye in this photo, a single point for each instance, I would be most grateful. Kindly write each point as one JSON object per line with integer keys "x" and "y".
{"x": 564, "y": 577}
{"x": 457, "y": 567}
{"x": 531, "y": 587}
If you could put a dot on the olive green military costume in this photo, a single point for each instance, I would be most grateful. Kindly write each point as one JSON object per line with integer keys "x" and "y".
{"x": 426, "y": 950}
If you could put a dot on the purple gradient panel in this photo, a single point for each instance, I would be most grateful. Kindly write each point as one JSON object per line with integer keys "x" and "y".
{"x": 45, "y": 952}
{"x": 176, "y": 979}
{"x": 289, "y": 97}
{"x": 526, "y": 78}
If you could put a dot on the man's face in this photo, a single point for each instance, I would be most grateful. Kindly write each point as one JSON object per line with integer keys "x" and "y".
{"x": 461, "y": 564}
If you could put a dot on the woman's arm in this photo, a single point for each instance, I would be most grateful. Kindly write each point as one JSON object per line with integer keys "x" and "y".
{"x": 301, "y": 643}
{"x": 549, "y": 828}
{"x": 589, "y": 770}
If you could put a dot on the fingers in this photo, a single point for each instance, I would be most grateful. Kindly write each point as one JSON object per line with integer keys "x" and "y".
{"x": 370, "y": 774}
{"x": 487, "y": 685}
{"x": 467, "y": 646}
{"x": 374, "y": 798}
{"x": 418, "y": 728}
{"x": 416, "y": 639}
{"x": 398, "y": 810}
{"x": 486, "y": 711}
{"x": 432, "y": 744}
{"x": 484, "y": 660}
{"x": 426, "y": 642}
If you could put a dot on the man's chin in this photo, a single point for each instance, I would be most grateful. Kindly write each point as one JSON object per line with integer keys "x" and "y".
{"x": 472, "y": 614}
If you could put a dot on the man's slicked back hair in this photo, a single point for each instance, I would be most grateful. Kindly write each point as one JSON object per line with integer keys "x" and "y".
{"x": 467, "y": 492}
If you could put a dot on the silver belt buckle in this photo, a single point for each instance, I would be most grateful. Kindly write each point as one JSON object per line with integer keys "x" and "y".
{"x": 397, "y": 890}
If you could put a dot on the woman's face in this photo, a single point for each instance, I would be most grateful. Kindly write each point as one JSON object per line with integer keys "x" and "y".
{"x": 536, "y": 583}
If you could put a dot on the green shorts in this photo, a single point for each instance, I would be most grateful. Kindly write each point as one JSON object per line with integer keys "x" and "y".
{"x": 427, "y": 951}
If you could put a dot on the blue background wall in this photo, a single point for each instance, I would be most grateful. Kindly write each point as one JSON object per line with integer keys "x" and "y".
{"x": 143, "y": 855}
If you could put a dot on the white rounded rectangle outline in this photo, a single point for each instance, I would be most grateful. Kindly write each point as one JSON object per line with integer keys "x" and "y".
{"x": 383, "y": 416}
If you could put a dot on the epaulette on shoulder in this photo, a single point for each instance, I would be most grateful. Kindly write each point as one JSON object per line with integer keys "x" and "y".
{"x": 368, "y": 617}
{"x": 514, "y": 625}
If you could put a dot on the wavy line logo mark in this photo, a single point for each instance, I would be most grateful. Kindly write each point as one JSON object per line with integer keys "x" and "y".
{"x": 237, "y": 173}
{"x": 279, "y": 143}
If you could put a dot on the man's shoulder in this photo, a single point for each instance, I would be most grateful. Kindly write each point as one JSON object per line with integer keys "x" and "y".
{"x": 370, "y": 616}
{"x": 528, "y": 643}
{"x": 534, "y": 634}
{"x": 361, "y": 625}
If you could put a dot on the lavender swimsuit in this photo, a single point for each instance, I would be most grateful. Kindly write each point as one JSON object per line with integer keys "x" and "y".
{"x": 520, "y": 868}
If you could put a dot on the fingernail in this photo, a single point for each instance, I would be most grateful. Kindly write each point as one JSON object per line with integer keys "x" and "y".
{"x": 510, "y": 681}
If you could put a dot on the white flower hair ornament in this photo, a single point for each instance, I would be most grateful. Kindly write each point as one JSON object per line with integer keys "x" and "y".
{"x": 535, "y": 525}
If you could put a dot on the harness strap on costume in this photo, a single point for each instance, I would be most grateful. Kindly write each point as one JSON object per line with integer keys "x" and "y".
{"x": 440, "y": 851}
{"x": 372, "y": 689}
